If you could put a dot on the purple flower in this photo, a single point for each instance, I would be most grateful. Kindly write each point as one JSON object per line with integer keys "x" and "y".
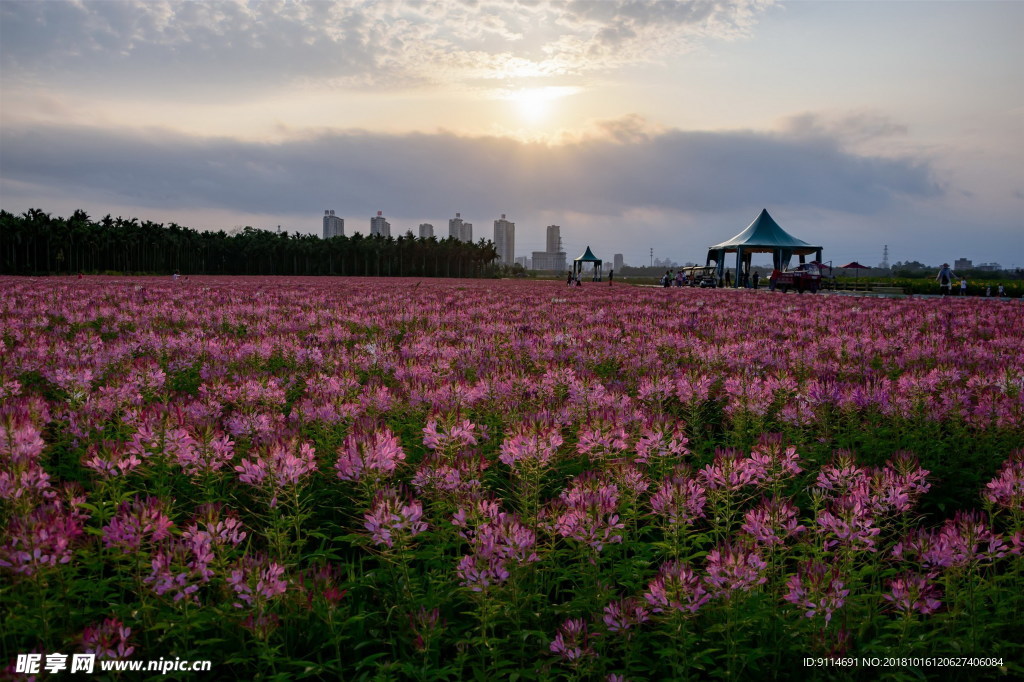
{"x": 282, "y": 466}
{"x": 851, "y": 525}
{"x": 734, "y": 567}
{"x": 22, "y": 477}
{"x": 498, "y": 540}
{"x": 817, "y": 589}
{"x": 320, "y": 584}
{"x": 896, "y": 487}
{"x": 209, "y": 535}
{"x": 572, "y": 642}
{"x": 379, "y": 454}
{"x": 453, "y": 435}
{"x": 136, "y": 523}
{"x": 255, "y": 581}
{"x": 425, "y": 626}
{"x": 676, "y": 588}
{"x": 969, "y": 540}
{"x": 179, "y": 568}
{"x": 964, "y": 540}
{"x": 913, "y": 592}
{"x": 842, "y": 476}
{"x": 770, "y": 461}
{"x": 197, "y": 457}
{"x": 601, "y": 440}
{"x": 532, "y": 445}
{"x": 41, "y": 539}
{"x": 394, "y": 516}
{"x": 772, "y": 522}
{"x": 111, "y": 459}
{"x": 657, "y": 442}
{"x": 1006, "y": 489}
{"x": 680, "y": 501}
{"x": 728, "y": 471}
{"x": 624, "y": 614}
{"x": 586, "y": 512}
{"x": 109, "y": 639}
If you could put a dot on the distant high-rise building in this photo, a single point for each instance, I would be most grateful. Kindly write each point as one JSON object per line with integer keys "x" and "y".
{"x": 380, "y": 226}
{"x": 460, "y": 229}
{"x": 426, "y": 230}
{"x": 963, "y": 264}
{"x": 505, "y": 240}
{"x": 554, "y": 240}
{"x": 545, "y": 260}
{"x": 333, "y": 225}
{"x": 617, "y": 261}
{"x": 524, "y": 261}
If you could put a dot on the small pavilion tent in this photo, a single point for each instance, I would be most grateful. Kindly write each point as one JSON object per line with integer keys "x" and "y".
{"x": 584, "y": 258}
{"x": 762, "y": 236}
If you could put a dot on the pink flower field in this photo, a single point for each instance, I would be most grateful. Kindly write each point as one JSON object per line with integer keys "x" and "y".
{"x": 387, "y": 478}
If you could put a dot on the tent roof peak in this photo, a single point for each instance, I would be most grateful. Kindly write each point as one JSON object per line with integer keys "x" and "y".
{"x": 764, "y": 233}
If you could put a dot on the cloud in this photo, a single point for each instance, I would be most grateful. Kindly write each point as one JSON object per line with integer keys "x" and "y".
{"x": 848, "y": 128}
{"x": 268, "y": 44}
{"x": 634, "y": 167}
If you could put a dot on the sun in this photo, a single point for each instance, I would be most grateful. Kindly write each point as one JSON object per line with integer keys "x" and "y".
{"x": 535, "y": 105}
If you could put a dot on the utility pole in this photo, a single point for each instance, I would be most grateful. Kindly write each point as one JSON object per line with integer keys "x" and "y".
{"x": 652, "y": 256}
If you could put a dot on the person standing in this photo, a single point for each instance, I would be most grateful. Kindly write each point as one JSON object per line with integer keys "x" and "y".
{"x": 756, "y": 278}
{"x": 611, "y": 276}
{"x": 963, "y": 286}
{"x": 945, "y": 279}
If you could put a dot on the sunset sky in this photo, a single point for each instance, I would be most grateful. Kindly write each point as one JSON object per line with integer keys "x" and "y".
{"x": 633, "y": 125}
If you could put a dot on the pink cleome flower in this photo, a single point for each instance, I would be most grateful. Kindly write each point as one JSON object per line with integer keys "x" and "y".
{"x": 676, "y": 588}
{"x": 393, "y": 515}
{"x": 817, "y": 589}
{"x": 378, "y": 454}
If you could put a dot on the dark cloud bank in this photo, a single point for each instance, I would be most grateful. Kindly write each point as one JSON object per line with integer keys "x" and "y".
{"x": 434, "y": 174}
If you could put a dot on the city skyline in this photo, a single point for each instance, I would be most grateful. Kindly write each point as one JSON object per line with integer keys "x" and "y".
{"x": 639, "y": 124}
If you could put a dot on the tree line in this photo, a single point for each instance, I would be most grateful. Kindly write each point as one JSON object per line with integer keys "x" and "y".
{"x": 35, "y": 243}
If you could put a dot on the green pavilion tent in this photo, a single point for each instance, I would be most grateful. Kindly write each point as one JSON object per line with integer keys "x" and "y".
{"x": 584, "y": 258}
{"x": 762, "y": 236}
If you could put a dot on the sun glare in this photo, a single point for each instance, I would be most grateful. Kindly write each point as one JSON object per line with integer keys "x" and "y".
{"x": 535, "y": 104}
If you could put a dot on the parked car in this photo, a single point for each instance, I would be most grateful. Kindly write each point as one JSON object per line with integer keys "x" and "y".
{"x": 804, "y": 277}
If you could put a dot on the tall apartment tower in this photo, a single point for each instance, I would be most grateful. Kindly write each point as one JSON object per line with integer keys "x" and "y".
{"x": 455, "y": 226}
{"x": 505, "y": 240}
{"x": 460, "y": 229}
{"x": 617, "y": 261}
{"x": 380, "y": 226}
{"x": 554, "y": 241}
{"x": 426, "y": 230}
{"x": 333, "y": 225}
